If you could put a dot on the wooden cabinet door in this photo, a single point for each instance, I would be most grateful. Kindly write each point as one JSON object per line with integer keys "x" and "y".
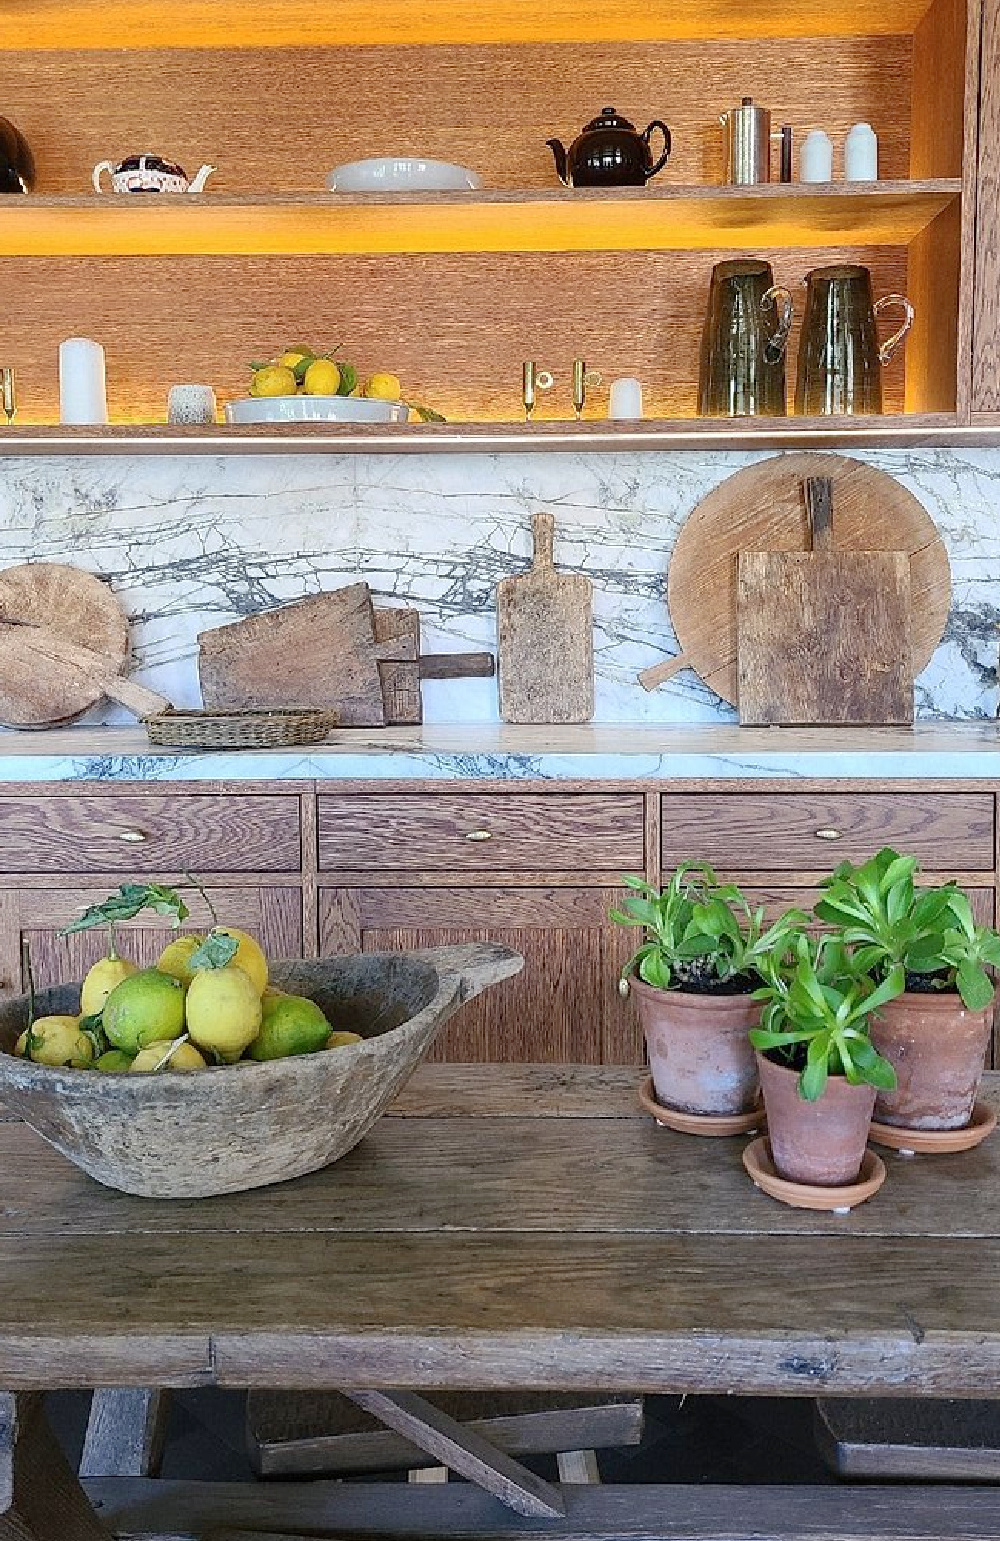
{"x": 986, "y": 298}
{"x": 36, "y": 915}
{"x": 563, "y": 1008}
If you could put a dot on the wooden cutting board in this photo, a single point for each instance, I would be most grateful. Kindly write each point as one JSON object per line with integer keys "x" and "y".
{"x": 545, "y": 639}
{"x": 823, "y": 636}
{"x": 315, "y": 652}
{"x": 44, "y": 602}
{"x": 761, "y": 509}
{"x": 402, "y": 666}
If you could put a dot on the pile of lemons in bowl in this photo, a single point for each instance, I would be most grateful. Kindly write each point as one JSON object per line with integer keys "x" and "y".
{"x": 301, "y": 372}
{"x": 207, "y": 1001}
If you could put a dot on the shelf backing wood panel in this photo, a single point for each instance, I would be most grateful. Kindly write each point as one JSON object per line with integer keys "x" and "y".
{"x": 98, "y": 24}
{"x": 455, "y": 329}
{"x": 277, "y": 121}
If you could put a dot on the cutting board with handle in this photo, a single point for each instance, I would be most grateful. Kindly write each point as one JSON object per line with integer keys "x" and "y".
{"x": 314, "y": 653}
{"x": 823, "y": 636}
{"x": 760, "y": 508}
{"x": 402, "y": 666}
{"x": 64, "y": 644}
{"x": 545, "y": 639}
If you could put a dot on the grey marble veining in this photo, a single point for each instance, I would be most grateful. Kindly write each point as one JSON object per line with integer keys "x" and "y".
{"x": 189, "y": 543}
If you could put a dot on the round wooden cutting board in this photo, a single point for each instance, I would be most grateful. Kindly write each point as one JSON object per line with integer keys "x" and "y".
{"x": 763, "y": 509}
{"x": 37, "y": 691}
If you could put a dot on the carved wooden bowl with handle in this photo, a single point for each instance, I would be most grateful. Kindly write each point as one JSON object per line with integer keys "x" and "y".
{"x": 234, "y": 1127}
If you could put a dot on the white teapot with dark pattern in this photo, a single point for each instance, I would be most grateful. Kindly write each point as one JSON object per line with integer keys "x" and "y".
{"x": 149, "y": 174}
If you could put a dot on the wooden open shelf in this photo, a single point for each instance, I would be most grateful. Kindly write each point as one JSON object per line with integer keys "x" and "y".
{"x": 115, "y": 24}
{"x": 647, "y": 219}
{"x": 909, "y": 431}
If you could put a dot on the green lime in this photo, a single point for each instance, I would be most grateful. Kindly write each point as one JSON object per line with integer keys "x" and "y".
{"x": 113, "y": 1062}
{"x": 291, "y": 1024}
{"x": 144, "y": 1008}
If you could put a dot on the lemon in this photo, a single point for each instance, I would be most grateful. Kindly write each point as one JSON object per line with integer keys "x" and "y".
{"x": 273, "y": 380}
{"x": 248, "y": 955}
{"x": 144, "y": 1008}
{"x": 292, "y": 357}
{"x": 100, "y": 981}
{"x": 113, "y": 1062}
{"x": 290, "y": 1024}
{"x": 57, "y": 1041}
{"x": 340, "y": 1039}
{"x": 322, "y": 378}
{"x": 223, "y": 1010}
{"x": 175, "y": 1055}
{"x": 175, "y": 958}
{"x": 383, "y": 387}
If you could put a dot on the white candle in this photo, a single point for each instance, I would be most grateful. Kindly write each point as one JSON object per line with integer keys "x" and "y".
{"x": 861, "y": 154}
{"x": 83, "y": 396}
{"x": 625, "y": 400}
{"x": 816, "y": 158}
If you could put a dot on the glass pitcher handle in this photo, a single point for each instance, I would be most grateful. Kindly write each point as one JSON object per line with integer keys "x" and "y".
{"x": 888, "y": 348}
{"x": 646, "y": 134}
{"x": 781, "y": 300}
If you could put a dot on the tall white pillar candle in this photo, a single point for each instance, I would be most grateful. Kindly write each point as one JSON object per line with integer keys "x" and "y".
{"x": 83, "y": 396}
{"x": 625, "y": 401}
{"x": 816, "y": 158}
{"x": 861, "y": 154}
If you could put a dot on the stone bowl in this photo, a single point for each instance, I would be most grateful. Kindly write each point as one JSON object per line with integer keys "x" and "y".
{"x": 234, "y": 1127}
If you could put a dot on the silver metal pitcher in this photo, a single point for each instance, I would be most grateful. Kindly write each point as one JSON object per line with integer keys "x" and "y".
{"x": 748, "y": 144}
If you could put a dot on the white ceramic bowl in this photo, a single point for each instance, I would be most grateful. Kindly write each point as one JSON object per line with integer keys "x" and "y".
{"x": 314, "y": 409}
{"x": 402, "y": 174}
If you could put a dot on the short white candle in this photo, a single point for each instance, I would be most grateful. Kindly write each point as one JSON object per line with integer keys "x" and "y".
{"x": 625, "y": 400}
{"x": 816, "y": 158}
{"x": 861, "y": 154}
{"x": 83, "y": 396}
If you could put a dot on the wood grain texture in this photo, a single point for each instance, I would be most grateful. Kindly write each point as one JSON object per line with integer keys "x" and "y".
{"x": 779, "y": 830}
{"x": 37, "y": 691}
{"x": 315, "y": 652}
{"x": 937, "y": 373}
{"x": 47, "y": 1502}
{"x": 760, "y": 508}
{"x": 126, "y": 1432}
{"x": 91, "y": 832}
{"x": 356, "y": 1512}
{"x": 907, "y": 1439}
{"x": 316, "y": 1433}
{"x": 563, "y": 1006}
{"x": 399, "y": 678}
{"x": 545, "y": 639}
{"x": 824, "y": 637}
{"x": 464, "y": 1450}
{"x": 986, "y": 320}
{"x": 547, "y": 833}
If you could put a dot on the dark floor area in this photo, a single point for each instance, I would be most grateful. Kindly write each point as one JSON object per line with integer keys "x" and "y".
{"x": 691, "y": 1439}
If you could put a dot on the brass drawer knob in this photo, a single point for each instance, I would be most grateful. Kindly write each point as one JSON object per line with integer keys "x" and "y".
{"x": 828, "y": 834}
{"x": 133, "y": 836}
{"x": 479, "y": 835}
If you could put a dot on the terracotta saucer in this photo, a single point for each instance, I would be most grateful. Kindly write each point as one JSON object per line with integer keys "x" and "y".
{"x": 937, "y": 1141}
{"x": 757, "y": 1160}
{"x": 698, "y": 1123}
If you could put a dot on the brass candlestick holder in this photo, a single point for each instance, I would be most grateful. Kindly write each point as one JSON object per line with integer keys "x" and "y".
{"x": 533, "y": 380}
{"x": 583, "y": 379}
{"x": 8, "y": 396}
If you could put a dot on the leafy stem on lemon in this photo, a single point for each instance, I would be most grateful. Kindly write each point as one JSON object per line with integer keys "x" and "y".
{"x": 127, "y": 903}
{"x": 215, "y": 952}
{"x": 204, "y": 894}
{"x": 426, "y": 414}
{"x": 29, "y": 976}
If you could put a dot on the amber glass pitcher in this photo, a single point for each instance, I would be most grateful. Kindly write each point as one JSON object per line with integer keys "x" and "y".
{"x": 840, "y": 357}
{"x": 743, "y": 343}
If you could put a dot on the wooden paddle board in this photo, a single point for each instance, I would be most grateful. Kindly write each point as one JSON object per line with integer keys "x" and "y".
{"x": 823, "y": 636}
{"x": 545, "y": 639}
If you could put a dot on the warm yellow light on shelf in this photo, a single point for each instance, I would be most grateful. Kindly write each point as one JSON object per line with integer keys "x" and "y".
{"x": 679, "y": 219}
{"x": 96, "y": 24}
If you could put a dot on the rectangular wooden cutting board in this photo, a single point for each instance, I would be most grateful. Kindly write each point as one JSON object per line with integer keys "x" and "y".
{"x": 545, "y": 639}
{"x": 823, "y": 636}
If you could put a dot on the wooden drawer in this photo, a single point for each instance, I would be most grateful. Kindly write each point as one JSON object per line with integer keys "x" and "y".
{"x": 481, "y": 831}
{"x": 150, "y": 832}
{"x": 770, "y": 832}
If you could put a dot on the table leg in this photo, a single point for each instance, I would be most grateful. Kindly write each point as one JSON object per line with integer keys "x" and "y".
{"x": 126, "y": 1432}
{"x": 40, "y": 1496}
{"x": 464, "y": 1451}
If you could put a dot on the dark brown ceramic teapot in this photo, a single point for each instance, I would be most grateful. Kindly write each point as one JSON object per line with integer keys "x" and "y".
{"x": 610, "y": 153}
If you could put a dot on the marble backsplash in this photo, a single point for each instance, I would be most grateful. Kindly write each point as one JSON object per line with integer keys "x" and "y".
{"x": 189, "y": 543}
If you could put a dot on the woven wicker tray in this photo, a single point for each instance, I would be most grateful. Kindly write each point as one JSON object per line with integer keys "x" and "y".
{"x": 238, "y": 730}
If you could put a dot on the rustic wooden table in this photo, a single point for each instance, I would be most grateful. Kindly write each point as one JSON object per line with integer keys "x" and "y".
{"x": 502, "y": 1227}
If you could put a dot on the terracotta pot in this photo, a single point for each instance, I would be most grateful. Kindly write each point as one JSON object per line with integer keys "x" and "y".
{"x": 820, "y": 1142}
{"x": 938, "y": 1049}
{"x": 699, "y": 1054}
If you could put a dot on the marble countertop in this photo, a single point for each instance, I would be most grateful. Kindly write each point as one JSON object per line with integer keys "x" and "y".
{"x": 487, "y": 752}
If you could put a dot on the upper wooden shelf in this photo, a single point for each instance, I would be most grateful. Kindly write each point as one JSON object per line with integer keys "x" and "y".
{"x": 674, "y": 219}
{"x": 116, "y": 24}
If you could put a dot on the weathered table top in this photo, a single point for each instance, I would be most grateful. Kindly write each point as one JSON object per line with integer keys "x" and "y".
{"x": 506, "y": 1227}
